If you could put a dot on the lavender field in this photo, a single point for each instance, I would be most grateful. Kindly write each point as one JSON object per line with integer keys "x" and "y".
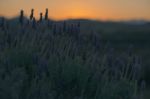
{"x": 73, "y": 59}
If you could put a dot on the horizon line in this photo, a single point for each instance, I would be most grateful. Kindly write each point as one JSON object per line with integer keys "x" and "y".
{"x": 79, "y": 18}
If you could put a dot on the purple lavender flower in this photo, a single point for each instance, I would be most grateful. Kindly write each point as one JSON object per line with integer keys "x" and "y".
{"x": 34, "y": 23}
{"x": 32, "y": 14}
{"x": 21, "y": 18}
{"x": 46, "y": 14}
{"x": 41, "y": 17}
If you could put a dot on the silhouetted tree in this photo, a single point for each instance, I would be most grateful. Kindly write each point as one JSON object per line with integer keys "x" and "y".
{"x": 32, "y": 14}
{"x": 46, "y": 14}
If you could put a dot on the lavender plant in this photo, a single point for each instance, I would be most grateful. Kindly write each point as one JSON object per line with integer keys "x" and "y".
{"x": 21, "y": 18}
{"x": 64, "y": 63}
{"x": 46, "y": 14}
{"x": 41, "y": 17}
{"x": 32, "y": 14}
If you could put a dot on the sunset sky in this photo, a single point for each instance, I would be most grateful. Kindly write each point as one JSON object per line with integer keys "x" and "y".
{"x": 93, "y": 9}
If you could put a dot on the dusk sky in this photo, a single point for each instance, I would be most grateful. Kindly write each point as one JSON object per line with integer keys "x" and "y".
{"x": 93, "y": 9}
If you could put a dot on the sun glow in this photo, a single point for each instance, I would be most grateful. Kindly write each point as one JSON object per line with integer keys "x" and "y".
{"x": 79, "y": 13}
{"x": 93, "y": 9}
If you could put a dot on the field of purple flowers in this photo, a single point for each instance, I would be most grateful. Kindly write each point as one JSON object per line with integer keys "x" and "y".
{"x": 72, "y": 59}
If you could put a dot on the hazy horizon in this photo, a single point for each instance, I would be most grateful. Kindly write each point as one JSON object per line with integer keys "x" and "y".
{"x": 80, "y": 9}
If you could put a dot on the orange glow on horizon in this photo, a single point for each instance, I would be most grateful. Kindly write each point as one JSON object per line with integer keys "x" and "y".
{"x": 72, "y": 9}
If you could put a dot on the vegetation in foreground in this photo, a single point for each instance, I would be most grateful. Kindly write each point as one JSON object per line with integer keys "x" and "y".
{"x": 58, "y": 60}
